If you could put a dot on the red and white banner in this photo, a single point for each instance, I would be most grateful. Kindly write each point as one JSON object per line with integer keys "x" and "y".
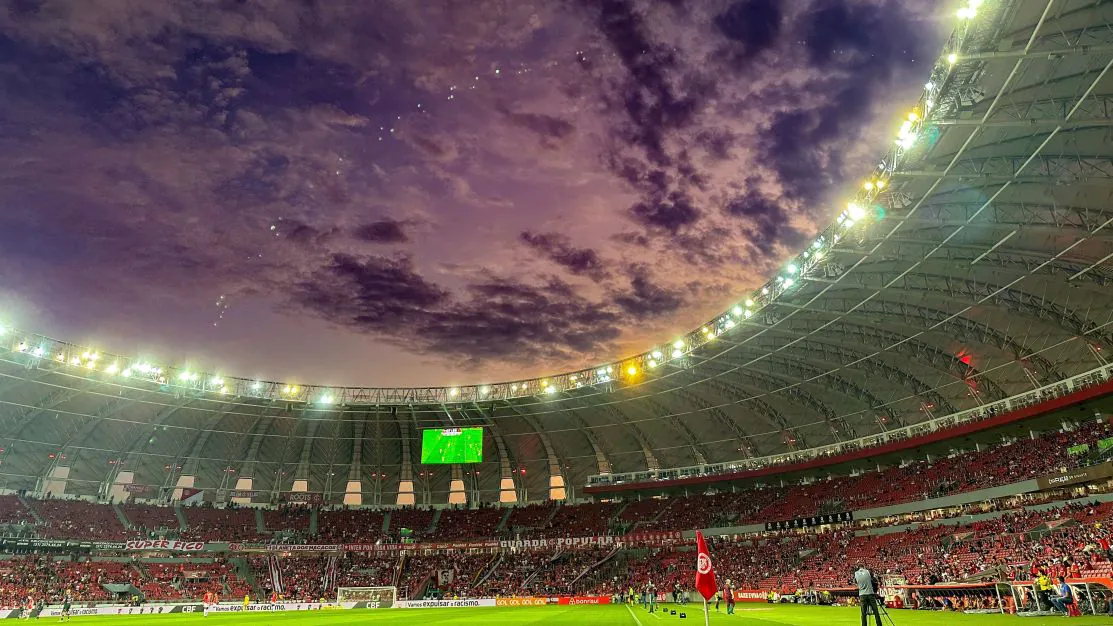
{"x": 166, "y": 545}
{"x": 192, "y": 496}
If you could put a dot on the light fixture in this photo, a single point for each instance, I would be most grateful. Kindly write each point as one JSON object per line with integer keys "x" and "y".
{"x": 484, "y": 391}
{"x": 75, "y": 361}
{"x": 792, "y": 268}
{"x": 37, "y": 352}
{"x": 952, "y": 58}
{"x": 749, "y": 314}
{"x": 453, "y": 392}
{"x": 126, "y": 373}
{"x": 789, "y": 282}
{"x": 676, "y": 354}
{"x": 632, "y": 371}
{"x": 749, "y": 302}
{"x": 256, "y": 385}
{"x": 326, "y": 399}
{"x": 217, "y": 382}
{"x": 737, "y": 311}
{"x": 551, "y": 389}
{"x": 678, "y": 344}
{"x": 183, "y": 376}
{"x": 764, "y": 291}
{"x": 854, "y": 211}
{"x": 652, "y": 363}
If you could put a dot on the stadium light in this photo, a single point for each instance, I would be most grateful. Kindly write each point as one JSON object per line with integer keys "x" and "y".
{"x": 484, "y": 391}
{"x": 952, "y": 58}
{"x": 126, "y": 373}
{"x": 632, "y": 371}
{"x": 749, "y": 302}
{"x": 452, "y": 393}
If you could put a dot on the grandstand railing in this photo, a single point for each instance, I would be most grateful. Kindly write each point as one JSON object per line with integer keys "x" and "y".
{"x": 1059, "y": 389}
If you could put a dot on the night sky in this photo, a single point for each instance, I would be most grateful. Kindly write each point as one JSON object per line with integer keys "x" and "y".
{"x": 404, "y": 192}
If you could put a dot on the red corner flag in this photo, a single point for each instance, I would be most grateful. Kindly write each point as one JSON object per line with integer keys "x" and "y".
{"x": 705, "y": 574}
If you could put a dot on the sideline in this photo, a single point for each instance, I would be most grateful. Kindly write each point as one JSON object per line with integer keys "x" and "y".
{"x": 633, "y": 616}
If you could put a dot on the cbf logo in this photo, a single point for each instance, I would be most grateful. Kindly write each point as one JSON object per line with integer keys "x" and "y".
{"x": 703, "y": 564}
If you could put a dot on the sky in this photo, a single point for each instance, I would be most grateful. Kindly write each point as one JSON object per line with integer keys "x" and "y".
{"x": 393, "y": 192}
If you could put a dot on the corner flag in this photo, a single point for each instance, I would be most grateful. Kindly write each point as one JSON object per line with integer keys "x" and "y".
{"x": 705, "y": 574}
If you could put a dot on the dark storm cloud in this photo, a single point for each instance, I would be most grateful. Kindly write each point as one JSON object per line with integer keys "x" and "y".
{"x": 856, "y": 50}
{"x": 559, "y": 248}
{"x": 645, "y": 298}
{"x": 550, "y": 129}
{"x": 752, "y": 27}
{"x": 382, "y": 231}
{"x": 501, "y": 318}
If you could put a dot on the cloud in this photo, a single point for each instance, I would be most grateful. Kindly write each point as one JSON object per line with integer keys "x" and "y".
{"x": 382, "y": 231}
{"x": 559, "y": 249}
{"x": 646, "y": 299}
{"x": 700, "y": 138}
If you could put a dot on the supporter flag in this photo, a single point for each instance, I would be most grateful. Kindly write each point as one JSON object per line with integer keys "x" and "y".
{"x": 705, "y": 574}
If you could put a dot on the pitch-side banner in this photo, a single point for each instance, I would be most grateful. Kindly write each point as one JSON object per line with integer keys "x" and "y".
{"x": 521, "y": 601}
{"x": 167, "y": 545}
{"x": 444, "y": 604}
{"x": 578, "y": 600}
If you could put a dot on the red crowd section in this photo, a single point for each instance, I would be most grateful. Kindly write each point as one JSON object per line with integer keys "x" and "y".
{"x": 969, "y": 471}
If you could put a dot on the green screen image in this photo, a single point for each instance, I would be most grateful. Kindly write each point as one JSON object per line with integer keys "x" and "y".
{"x": 452, "y": 445}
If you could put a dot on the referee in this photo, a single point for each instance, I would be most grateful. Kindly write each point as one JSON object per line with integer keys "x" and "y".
{"x": 867, "y": 594}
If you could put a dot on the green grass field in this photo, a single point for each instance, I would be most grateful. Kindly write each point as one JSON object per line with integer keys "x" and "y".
{"x": 757, "y": 615}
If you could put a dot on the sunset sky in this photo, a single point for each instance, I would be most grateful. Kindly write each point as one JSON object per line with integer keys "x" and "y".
{"x": 401, "y": 192}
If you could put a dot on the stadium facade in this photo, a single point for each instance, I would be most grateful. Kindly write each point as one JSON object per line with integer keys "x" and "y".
{"x": 970, "y": 273}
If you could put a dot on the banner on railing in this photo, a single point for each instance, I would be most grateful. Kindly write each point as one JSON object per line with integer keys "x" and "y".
{"x": 301, "y": 497}
{"x": 1105, "y": 444}
{"x": 808, "y": 522}
{"x": 521, "y": 601}
{"x": 20, "y": 542}
{"x": 235, "y": 493}
{"x": 131, "y": 488}
{"x": 1080, "y": 449}
{"x": 1076, "y": 476}
{"x": 166, "y": 545}
{"x": 647, "y": 538}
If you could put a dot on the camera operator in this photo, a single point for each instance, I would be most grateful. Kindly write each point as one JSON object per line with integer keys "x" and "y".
{"x": 867, "y": 593}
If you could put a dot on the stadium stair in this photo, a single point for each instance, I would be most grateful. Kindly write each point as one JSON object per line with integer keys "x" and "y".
{"x": 119, "y": 511}
{"x": 246, "y": 574}
{"x": 30, "y": 509}
{"x": 590, "y": 568}
{"x": 183, "y": 524}
{"x": 260, "y": 524}
{"x": 490, "y": 569}
{"x": 313, "y": 521}
{"x": 386, "y": 523}
{"x": 433, "y": 524}
{"x": 502, "y": 522}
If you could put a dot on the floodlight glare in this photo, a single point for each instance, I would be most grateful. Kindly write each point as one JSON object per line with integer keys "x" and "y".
{"x": 632, "y": 371}
{"x": 552, "y": 389}
{"x": 656, "y": 354}
{"x": 737, "y": 311}
{"x": 217, "y": 382}
{"x": 679, "y": 345}
{"x": 676, "y": 354}
{"x": 183, "y": 376}
{"x": 484, "y": 391}
{"x": 792, "y": 268}
{"x": 749, "y": 302}
{"x": 652, "y": 364}
{"x": 952, "y": 58}
{"x": 452, "y": 392}
{"x": 38, "y": 351}
{"x": 855, "y": 211}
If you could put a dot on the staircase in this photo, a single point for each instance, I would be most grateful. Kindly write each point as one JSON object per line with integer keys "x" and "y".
{"x": 593, "y": 566}
{"x": 502, "y": 523}
{"x": 313, "y": 521}
{"x": 30, "y": 509}
{"x": 119, "y": 511}
{"x": 245, "y": 573}
{"x": 183, "y": 523}
{"x": 433, "y": 525}
{"x": 386, "y": 524}
{"x": 491, "y": 567}
{"x": 259, "y": 524}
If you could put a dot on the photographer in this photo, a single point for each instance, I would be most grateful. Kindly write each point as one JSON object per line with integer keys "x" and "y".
{"x": 867, "y": 593}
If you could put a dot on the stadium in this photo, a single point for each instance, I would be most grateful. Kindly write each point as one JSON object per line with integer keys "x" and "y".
{"x": 924, "y": 389}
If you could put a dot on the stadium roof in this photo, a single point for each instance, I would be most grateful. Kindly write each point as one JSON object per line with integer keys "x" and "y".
{"x": 972, "y": 265}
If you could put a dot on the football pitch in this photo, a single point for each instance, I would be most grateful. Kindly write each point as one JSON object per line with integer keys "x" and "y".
{"x": 757, "y": 615}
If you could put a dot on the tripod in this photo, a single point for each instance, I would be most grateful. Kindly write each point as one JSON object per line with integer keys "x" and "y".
{"x": 885, "y": 611}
